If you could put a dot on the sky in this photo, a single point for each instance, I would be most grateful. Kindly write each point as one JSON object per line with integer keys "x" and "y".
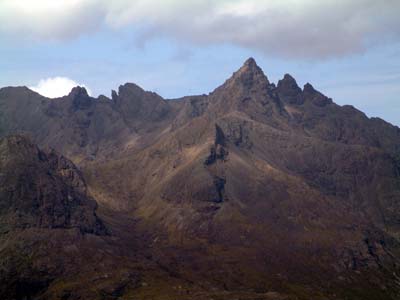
{"x": 349, "y": 50}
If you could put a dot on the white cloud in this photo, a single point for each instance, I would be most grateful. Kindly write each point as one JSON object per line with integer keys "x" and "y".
{"x": 56, "y": 87}
{"x": 290, "y": 28}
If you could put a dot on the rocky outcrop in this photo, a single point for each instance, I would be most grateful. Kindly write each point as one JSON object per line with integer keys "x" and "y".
{"x": 80, "y": 99}
{"x": 42, "y": 189}
{"x": 218, "y": 151}
{"x": 220, "y": 187}
{"x": 315, "y": 97}
{"x": 289, "y": 92}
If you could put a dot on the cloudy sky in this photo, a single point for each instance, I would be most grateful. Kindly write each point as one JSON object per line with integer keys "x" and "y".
{"x": 348, "y": 49}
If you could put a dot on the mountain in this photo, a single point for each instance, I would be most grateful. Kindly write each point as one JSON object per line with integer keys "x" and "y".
{"x": 254, "y": 191}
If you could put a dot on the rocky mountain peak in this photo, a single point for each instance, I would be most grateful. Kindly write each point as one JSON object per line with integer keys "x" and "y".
{"x": 128, "y": 92}
{"x": 288, "y": 82}
{"x": 289, "y": 91}
{"x": 308, "y": 88}
{"x": 315, "y": 96}
{"x": 247, "y": 91}
{"x": 80, "y": 98}
{"x": 249, "y": 75}
{"x": 251, "y": 62}
{"x": 114, "y": 95}
{"x": 78, "y": 91}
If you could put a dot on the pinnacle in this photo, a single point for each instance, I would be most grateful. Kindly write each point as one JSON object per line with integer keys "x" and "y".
{"x": 78, "y": 91}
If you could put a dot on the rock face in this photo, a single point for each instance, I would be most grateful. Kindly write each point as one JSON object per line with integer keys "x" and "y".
{"x": 254, "y": 191}
{"x": 44, "y": 205}
{"x": 42, "y": 189}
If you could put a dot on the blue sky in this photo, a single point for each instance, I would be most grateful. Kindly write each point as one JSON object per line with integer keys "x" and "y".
{"x": 102, "y": 46}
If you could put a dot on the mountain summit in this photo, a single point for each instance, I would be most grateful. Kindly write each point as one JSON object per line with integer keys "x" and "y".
{"x": 250, "y": 74}
{"x": 250, "y": 67}
{"x": 254, "y": 191}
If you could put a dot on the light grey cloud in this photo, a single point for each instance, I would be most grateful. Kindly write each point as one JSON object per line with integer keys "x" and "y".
{"x": 290, "y": 28}
{"x": 47, "y": 19}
